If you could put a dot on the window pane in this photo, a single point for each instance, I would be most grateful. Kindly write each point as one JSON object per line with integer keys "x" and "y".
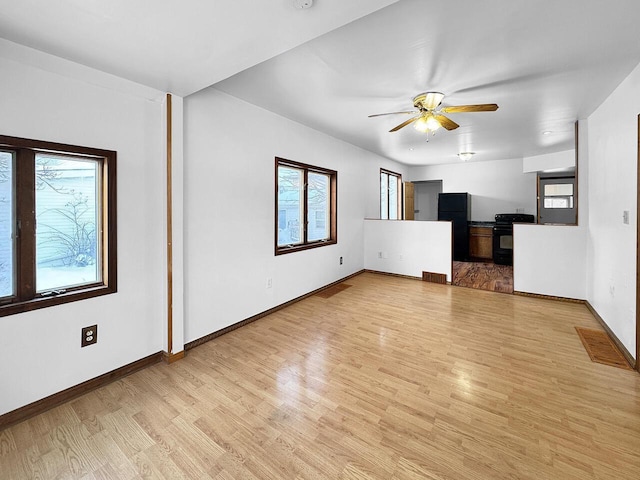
{"x": 558, "y": 189}
{"x": 317, "y": 202}
{"x": 290, "y": 183}
{"x": 558, "y": 202}
{"x": 7, "y": 247}
{"x": 67, "y": 214}
{"x": 393, "y": 198}
{"x": 384, "y": 203}
{"x": 282, "y": 219}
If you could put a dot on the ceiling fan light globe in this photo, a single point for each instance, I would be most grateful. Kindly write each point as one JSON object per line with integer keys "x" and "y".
{"x": 426, "y": 123}
{"x": 432, "y": 123}
{"x": 421, "y": 125}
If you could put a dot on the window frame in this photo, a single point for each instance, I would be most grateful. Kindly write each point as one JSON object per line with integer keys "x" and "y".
{"x": 26, "y": 298}
{"x": 305, "y": 244}
{"x": 400, "y": 194}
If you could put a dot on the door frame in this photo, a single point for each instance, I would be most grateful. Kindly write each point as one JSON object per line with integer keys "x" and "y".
{"x": 637, "y": 365}
{"x": 540, "y": 195}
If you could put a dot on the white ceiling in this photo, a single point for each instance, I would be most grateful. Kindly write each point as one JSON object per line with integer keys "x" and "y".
{"x": 545, "y": 62}
{"x": 173, "y": 46}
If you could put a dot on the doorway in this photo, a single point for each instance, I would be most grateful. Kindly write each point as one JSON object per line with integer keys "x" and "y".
{"x": 556, "y": 200}
{"x": 425, "y": 195}
{"x": 478, "y": 270}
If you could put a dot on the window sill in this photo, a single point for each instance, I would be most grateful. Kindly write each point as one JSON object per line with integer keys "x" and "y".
{"x": 308, "y": 246}
{"x": 49, "y": 301}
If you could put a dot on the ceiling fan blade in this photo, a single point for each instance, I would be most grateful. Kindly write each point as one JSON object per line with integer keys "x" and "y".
{"x": 485, "y": 107}
{"x": 446, "y": 122}
{"x": 390, "y": 113}
{"x": 404, "y": 124}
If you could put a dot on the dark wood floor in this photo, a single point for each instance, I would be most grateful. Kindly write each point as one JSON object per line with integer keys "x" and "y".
{"x": 390, "y": 379}
{"x": 484, "y": 276}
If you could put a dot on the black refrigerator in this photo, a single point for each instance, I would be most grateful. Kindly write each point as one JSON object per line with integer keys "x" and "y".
{"x": 456, "y": 207}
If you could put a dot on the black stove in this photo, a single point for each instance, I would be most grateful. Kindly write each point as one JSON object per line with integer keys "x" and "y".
{"x": 503, "y": 236}
{"x": 511, "y": 218}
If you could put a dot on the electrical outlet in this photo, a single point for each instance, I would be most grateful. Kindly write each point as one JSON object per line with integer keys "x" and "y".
{"x": 340, "y": 260}
{"x": 269, "y": 282}
{"x": 89, "y": 335}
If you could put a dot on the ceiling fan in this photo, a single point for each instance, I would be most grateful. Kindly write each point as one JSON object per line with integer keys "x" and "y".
{"x": 430, "y": 115}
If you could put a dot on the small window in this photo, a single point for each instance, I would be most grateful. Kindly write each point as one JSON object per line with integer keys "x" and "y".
{"x": 305, "y": 206}
{"x": 559, "y": 195}
{"x": 57, "y": 224}
{"x": 390, "y": 195}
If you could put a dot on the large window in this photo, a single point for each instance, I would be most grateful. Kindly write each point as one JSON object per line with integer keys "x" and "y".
{"x": 57, "y": 224}
{"x": 390, "y": 195}
{"x": 305, "y": 206}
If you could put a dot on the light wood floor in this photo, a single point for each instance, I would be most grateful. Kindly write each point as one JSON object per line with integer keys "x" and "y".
{"x": 389, "y": 379}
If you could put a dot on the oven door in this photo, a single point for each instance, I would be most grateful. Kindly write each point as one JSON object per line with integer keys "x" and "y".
{"x": 503, "y": 244}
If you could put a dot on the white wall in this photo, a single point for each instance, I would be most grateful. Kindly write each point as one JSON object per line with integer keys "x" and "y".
{"x": 497, "y": 186}
{"x": 230, "y": 149}
{"x": 550, "y": 161}
{"x": 550, "y": 260}
{"x": 40, "y": 351}
{"x": 407, "y": 247}
{"x": 611, "y": 259}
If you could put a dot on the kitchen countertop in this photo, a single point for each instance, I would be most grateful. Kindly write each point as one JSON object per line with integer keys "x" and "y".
{"x": 482, "y": 224}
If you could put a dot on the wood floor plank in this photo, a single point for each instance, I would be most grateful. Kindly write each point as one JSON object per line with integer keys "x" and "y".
{"x": 114, "y": 464}
{"x": 391, "y": 378}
